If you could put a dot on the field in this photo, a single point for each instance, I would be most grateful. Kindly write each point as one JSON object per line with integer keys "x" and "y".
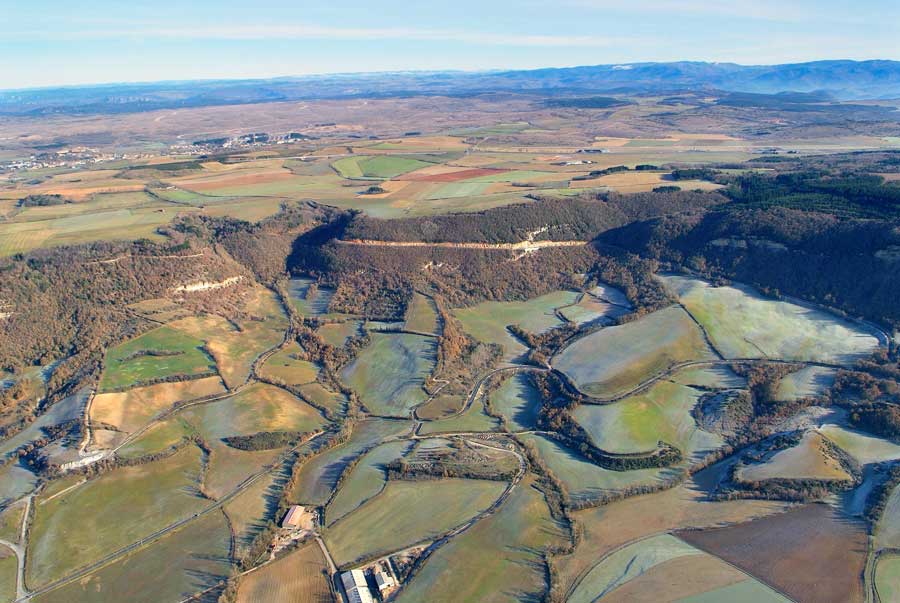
{"x": 298, "y": 577}
{"x": 337, "y": 333}
{"x": 321, "y": 396}
{"x": 887, "y": 578}
{"x": 68, "y": 408}
{"x": 320, "y": 473}
{"x": 248, "y": 512}
{"x": 365, "y": 481}
{"x": 131, "y": 410}
{"x": 183, "y": 563}
{"x": 583, "y": 479}
{"x": 861, "y": 446}
{"x": 472, "y": 419}
{"x": 808, "y": 381}
{"x": 743, "y": 324}
{"x": 389, "y": 373}
{"x": 8, "y": 569}
{"x": 407, "y": 512}
{"x": 15, "y": 482}
{"x": 162, "y": 352}
{"x": 158, "y": 438}
{"x": 887, "y": 533}
{"x": 498, "y": 559}
{"x": 377, "y": 167}
{"x": 440, "y": 407}
{"x": 421, "y": 315}
{"x": 11, "y": 522}
{"x": 809, "y": 459}
{"x": 518, "y": 401}
{"x": 284, "y": 366}
{"x": 611, "y": 361}
{"x": 714, "y": 377}
{"x": 487, "y": 321}
{"x": 68, "y": 532}
{"x": 812, "y": 553}
{"x": 637, "y": 423}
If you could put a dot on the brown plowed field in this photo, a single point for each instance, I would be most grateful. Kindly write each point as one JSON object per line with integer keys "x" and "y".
{"x": 452, "y": 176}
{"x": 812, "y": 553}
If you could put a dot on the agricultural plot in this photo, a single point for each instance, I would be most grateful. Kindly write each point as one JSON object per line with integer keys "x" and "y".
{"x": 389, "y": 374}
{"x": 421, "y": 315}
{"x": 236, "y": 349}
{"x": 299, "y": 577}
{"x": 887, "y": 532}
{"x": 184, "y": 563}
{"x": 157, "y": 354}
{"x": 131, "y": 410}
{"x": 473, "y": 419}
{"x": 614, "y": 360}
{"x": 518, "y": 401}
{"x": 743, "y": 324}
{"x": 585, "y": 480}
{"x": 70, "y": 407}
{"x": 308, "y": 299}
{"x": 807, "y": 382}
{"x": 376, "y": 167}
{"x": 337, "y": 333}
{"x": 440, "y": 407}
{"x": 249, "y": 512}
{"x": 638, "y": 423}
{"x": 158, "y": 438}
{"x": 696, "y": 579}
{"x": 615, "y": 525}
{"x": 487, "y": 321}
{"x": 366, "y": 480}
{"x": 811, "y": 553}
{"x": 286, "y": 366}
{"x": 259, "y": 408}
{"x": 15, "y": 482}
{"x": 68, "y": 532}
{"x": 861, "y": 446}
{"x": 810, "y": 459}
{"x": 8, "y": 571}
{"x": 407, "y": 512}
{"x": 319, "y": 474}
{"x": 320, "y": 396}
{"x": 11, "y": 522}
{"x": 887, "y": 578}
{"x": 711, "y": 377}
{"x": 592, "y": 309}
{"x": 498, "y": 559}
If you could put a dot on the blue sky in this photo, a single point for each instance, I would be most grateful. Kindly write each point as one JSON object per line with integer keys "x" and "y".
{"x": 61, "y": 42}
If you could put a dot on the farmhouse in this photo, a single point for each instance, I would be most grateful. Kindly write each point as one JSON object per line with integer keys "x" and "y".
{"x": 297, "y": 518}
{"x": 356, "y": 587}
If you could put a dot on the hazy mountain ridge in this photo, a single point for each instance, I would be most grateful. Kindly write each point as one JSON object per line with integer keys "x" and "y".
{"x": 840, "y": 80}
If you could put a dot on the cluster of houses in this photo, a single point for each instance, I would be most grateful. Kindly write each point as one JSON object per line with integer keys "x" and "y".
{"x": 356, "y": 585}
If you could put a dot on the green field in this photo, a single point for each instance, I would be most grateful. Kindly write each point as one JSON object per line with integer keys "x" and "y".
{"x": 887, "y": 578}
{"x": 743, "y": 324}
{"x": 861, "y": 446}
{"x": 453, "y": 190}
{"x": 285, "y": 366}
{"x": 636, "y": 424}
{"x": 109, "y": 512}
{"x": 389, "y": 373}
{"x": 421, "y": 315}
{"x": 487, "y": 321}
{"x": 158, "y": 438}
{"x": 366, "y": 480}
{"x": 498, "y": 559}
{"x": 337, "y": 333}
{"x": 518, "y": 401}
{"x": 583, "y": 479}
{"x": 185, "y": 356}
{"x": 183, "y": 563}
{"x": 407, "y": 512}
{"x": 319, "y": 474}
{"x": 8, "y": 570}
{"x": 472, "y": 419}
{"x": 11, "y": 522}
{"x": 377, "y": 166}
{"x": 612, "y": 361}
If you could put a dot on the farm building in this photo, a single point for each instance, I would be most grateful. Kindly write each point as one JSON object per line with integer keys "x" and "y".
{"x": 297, "y": 517}
{"x": 356, "y": 587}
{"x": 383, "y": 580}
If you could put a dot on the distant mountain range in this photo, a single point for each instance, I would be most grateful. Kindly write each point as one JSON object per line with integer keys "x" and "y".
{"x": 838, "y": 80}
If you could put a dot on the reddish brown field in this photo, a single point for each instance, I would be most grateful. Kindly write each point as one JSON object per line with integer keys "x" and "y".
{"x": 811, "y": 553}
{"x": 452, "y": 176}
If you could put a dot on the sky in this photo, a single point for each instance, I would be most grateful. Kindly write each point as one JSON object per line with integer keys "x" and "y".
{"x": 61, "y": 42}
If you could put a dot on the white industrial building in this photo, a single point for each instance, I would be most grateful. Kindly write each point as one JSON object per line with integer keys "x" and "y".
{"x": 356, "y": 587}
